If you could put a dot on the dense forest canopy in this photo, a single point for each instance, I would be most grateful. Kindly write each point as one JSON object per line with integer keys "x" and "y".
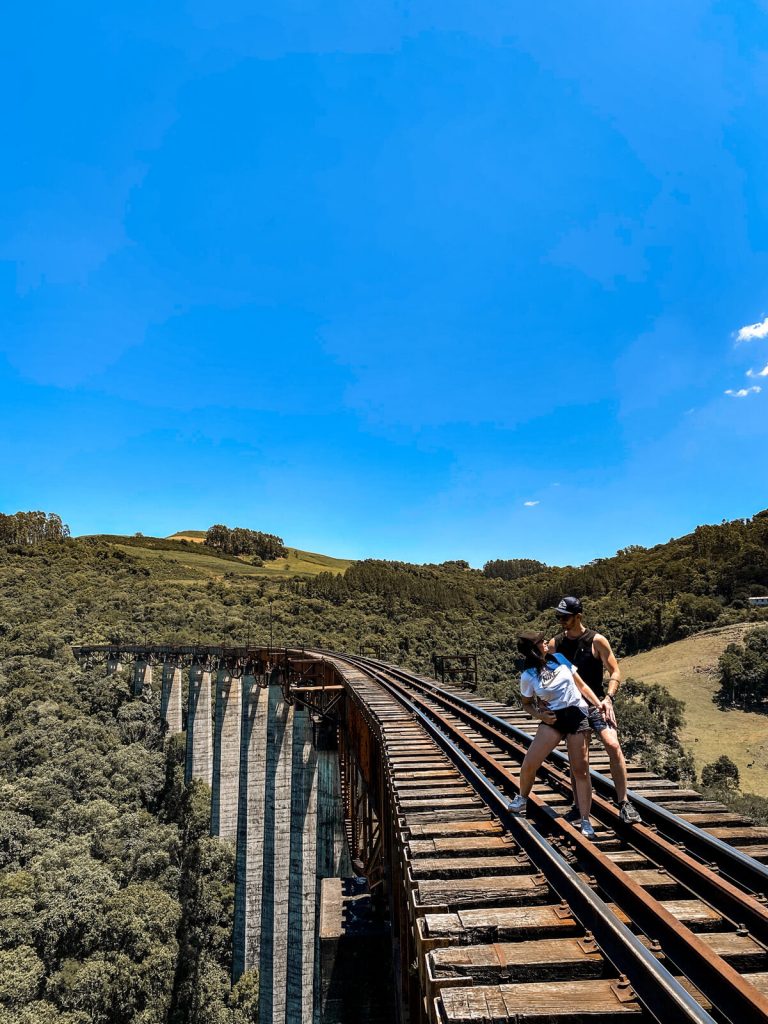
{"x": 115, "y": 905}
{"x": 640, "y": 597}
{"x": 512, "y": 568}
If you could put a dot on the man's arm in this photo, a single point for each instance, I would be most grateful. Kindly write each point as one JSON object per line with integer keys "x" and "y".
{"x": 610, "y": 663}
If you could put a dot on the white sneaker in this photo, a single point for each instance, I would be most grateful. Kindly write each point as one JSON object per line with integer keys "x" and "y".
{"x": 586, "y": 828}
{"x": 517, "y": 806}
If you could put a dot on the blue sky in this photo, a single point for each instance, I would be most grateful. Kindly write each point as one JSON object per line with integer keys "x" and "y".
{"x": 420, "y": 281}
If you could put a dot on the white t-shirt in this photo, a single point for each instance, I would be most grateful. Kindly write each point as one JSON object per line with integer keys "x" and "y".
{"x": 553, "y": 684}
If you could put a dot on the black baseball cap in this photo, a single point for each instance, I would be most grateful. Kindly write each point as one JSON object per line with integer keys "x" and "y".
{"x": 569, "y": 606}
{"x": 527, "y": 640}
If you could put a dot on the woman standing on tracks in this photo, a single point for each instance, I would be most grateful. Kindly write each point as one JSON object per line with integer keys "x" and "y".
{"x": 553, "y": 691}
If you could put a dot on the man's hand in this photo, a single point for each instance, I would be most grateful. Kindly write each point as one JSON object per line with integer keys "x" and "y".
{"x": 606, "y": 710}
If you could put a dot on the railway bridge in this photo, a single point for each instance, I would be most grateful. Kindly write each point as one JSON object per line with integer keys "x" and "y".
{"x": 380, "y": 875}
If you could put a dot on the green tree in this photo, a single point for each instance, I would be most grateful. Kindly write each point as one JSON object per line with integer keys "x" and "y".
{"x": 651, "y": 720}
{"x": 21, "y": 975}
{"x": 720, "y": 774}
{"x": 744, "y": 671}
{"x": 244, "y": 999}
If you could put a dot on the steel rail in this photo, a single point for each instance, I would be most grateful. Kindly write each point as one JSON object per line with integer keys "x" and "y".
{"x": 655, "y": 987}
{"x": 735, "y": 997}
{"x": 731, "y": 901}
{"x": 743, "y": 870}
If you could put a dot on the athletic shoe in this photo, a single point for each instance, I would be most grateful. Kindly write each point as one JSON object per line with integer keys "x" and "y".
{"x": 573, "y": 815}
{"x": 586, "y": 828}
{"x": 517, "y": 806}
{"x": 628, "y": 814}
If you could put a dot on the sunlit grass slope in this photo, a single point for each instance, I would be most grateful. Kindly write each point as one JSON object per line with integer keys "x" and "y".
{"x": 194, "y": 562}
{"x": 688, "y": 669}
{"x": 297, "y": 562}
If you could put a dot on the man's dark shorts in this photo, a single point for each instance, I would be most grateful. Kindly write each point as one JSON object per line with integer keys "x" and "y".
{"x": 596, "y": 721}
{"x": 570, "y": 720}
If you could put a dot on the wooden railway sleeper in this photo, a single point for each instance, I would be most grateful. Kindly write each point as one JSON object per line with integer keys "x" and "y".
{"x": 655, "y": 986}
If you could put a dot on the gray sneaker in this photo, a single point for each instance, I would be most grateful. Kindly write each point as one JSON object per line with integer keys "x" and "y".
{"x": 628, "y": 814}
{"x": 517, "y": 806}
{"x": 586, "y": 828}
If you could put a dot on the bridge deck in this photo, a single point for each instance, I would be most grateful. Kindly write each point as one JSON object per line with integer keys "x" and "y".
{"x": 492, "y": 914}
{"x": 492, "y": 940}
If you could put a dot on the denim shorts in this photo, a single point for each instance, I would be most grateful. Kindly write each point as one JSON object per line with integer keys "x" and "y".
{"x": 596, "y": 721}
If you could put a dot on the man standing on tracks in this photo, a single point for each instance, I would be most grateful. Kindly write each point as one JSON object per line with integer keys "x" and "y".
{"x": 591, "y": 653}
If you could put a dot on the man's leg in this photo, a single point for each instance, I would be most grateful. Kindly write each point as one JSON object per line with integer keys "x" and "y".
{"x": 610, "y": 739}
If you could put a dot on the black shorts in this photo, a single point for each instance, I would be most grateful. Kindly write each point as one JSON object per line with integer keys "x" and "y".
{"x": 571, "y": 720}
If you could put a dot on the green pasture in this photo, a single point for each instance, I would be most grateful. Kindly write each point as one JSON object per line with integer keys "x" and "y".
{"x": 688, "y": 669}
{"x": 197, "y": 562}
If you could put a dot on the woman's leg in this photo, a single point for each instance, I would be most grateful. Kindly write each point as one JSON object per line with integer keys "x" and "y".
{"x": 544, "y": 742}
{"x": 578, "y": 756}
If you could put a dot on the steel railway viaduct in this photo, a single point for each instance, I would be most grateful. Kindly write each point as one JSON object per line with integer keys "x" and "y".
{"x": 381, "y": 877}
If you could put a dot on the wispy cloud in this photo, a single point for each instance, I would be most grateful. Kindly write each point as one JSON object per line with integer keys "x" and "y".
{"x": 743, "y": 392}
{"x": 758, "y": 373}
{"x": 752, "y": 331}
{"x": 530, "y": 504}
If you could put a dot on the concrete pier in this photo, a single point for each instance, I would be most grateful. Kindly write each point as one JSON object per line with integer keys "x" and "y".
{"x": 199, "y": 761}
{"x": 114, "y": 666}
{"x": 142, "y": 677}
{"x": 290, "y": 835}
{"x": 226, "y": 755}
{"x": 250, "y": 827}
{"x": 274, "y": 953}
{"x": 303, "y": 881}
{"x": 170, "y": 697}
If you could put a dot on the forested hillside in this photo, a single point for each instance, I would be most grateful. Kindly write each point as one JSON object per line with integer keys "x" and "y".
{"x": 114, "y": 904}
{"x": 640, "y": 597}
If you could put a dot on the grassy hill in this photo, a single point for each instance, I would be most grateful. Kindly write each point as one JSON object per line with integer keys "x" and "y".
{"x": 688, "y": 669}
{"x": 182, "y": 557}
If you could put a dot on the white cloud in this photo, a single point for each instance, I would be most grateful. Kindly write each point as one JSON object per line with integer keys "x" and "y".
{"x": 752, "y": 331}
{"x": 530, "y": 504}
{"x": 758, "y": 373}
{"x": 743, "y": 392}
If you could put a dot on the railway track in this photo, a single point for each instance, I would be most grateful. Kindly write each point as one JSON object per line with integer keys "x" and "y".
{"x": 513, "y": 918}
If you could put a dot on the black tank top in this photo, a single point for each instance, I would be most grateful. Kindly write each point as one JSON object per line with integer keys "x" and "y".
{"x": 578, "y": 651}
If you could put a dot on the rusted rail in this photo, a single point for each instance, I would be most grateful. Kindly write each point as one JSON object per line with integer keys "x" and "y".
{"x": 744, "y": 870}
{"x": 449, "y": 720}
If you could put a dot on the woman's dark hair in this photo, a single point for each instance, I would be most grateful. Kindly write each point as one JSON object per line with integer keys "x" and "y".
{"x": 536, "y": 660}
